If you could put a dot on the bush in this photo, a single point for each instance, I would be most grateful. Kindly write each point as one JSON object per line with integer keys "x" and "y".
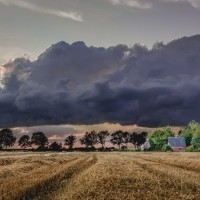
{"x": 124, "y": 147}
{"x": 196, "y": 139}
{"x": 138, "y": 150}
{"x": 159, "y": 137}
{"x": 189, "y": 149}
{"x": 166, "y": 148}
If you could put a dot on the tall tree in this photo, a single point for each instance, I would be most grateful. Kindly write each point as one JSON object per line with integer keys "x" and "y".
{"x": 6, "y": 138}
{"x": 159, "y": 137}
{"x": 102, "y": 135}
{"x": 119, "y": 138}
{"x": 133, "y": 139}
{"x": 142, "y": 138}
{"x": 126, "y": 138}
{"x": 70, "y": 141}
{"x": 196, "y": 139}
{"x": 187, "y": 133}
{"x": 24, "y": 141}
{"x": 137, "y": 139}
{"x": 39, "y": 139}
{"x": 89, "y": 139}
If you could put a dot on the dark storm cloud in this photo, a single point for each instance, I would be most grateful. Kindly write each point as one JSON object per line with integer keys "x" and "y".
{"x": 76, "y": 84}
{"x": 77, "y": 64}
{"x": 143, "y": 106}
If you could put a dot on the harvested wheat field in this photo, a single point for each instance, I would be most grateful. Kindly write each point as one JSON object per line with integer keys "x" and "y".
{"x": 116, "y": 175}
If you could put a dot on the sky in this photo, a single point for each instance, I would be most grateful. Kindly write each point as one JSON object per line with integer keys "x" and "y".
{"x": 69, "y": 66}
{"x": 60, "y": 132}
{"x": 28, "y": 27}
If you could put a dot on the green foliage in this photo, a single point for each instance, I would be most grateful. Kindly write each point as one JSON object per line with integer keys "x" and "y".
{"x": 137, "y": 150}
{"x": 189, "y": 149}
{"x": 6, "y": 138}
{"x": 192, "y": 127}
{"x": 159, "y": 137}
{"x": 166, "y": 147}
{"x": 196, "y": 139}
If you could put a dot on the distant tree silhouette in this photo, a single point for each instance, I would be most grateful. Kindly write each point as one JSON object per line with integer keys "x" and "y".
{"x": 133, "y": 139}
{"x": 102, "y": 135}
{"x": 126, "y": 137}
{"x": 89, "y": 139}
{"x": 6, "y": 138}
{"x": 142, "y": 138}
{"x": 137, "y": 139}
{"x": 39, "y": 139}
{"x": 24, "y": 141}
{"x": 118, "y": 138}
{"x": 70, "y": 141}
{"x": 55, "y": 146}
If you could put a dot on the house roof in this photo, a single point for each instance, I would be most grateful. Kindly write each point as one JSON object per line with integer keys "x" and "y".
{"x": 176, "y": 141}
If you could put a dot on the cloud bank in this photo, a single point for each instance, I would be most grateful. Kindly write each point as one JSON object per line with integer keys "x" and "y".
{"x": 33, "y": 7}
{"x": 77, "y": 84}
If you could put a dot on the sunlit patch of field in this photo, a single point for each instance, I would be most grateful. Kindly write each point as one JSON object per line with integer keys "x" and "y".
{"x": 116, "y": 176}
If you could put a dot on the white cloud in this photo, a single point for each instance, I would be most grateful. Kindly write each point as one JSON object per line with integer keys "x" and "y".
{"x": 193, "y": 3}
{"x": 33, "y": 7}
{"x": 147, "y": 4}
{"x": 133, "y": 3}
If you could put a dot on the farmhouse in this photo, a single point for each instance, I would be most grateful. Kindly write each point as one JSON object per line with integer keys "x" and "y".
{"x": 177, "y": 143}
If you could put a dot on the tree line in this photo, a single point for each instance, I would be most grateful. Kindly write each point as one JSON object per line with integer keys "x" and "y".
{"x": 89, "y": 140}
{"x": 157, "y": 139}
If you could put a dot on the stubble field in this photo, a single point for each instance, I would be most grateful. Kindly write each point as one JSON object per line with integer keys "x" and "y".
{"x": 99, "y": 176}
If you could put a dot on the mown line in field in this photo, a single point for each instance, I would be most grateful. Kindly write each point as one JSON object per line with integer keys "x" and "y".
{"x": 69, "y": 187}
{"x": 49, "y": 184}
{"x": 166, "y": 162}
{"x": 108, "y": 179}
{"x": 187, "y": 168}
{"x": 129, "y": 176}
{"x": 116, "y": 177}
{"x": 172, "y": 179}
{"x": 70, "y": 173}
{"x": 24, "y": 168}
{"x": 177, "y": 178}
{"x": 24, "y": 182}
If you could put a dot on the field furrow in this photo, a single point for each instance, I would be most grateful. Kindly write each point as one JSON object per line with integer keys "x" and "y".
{"x": 24, "y": 183}
{"x": 184, "y": 183}
{"x": 175, "y": 160}
{"x": 68, "y": 175}
{"x": 100, "y": 176}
